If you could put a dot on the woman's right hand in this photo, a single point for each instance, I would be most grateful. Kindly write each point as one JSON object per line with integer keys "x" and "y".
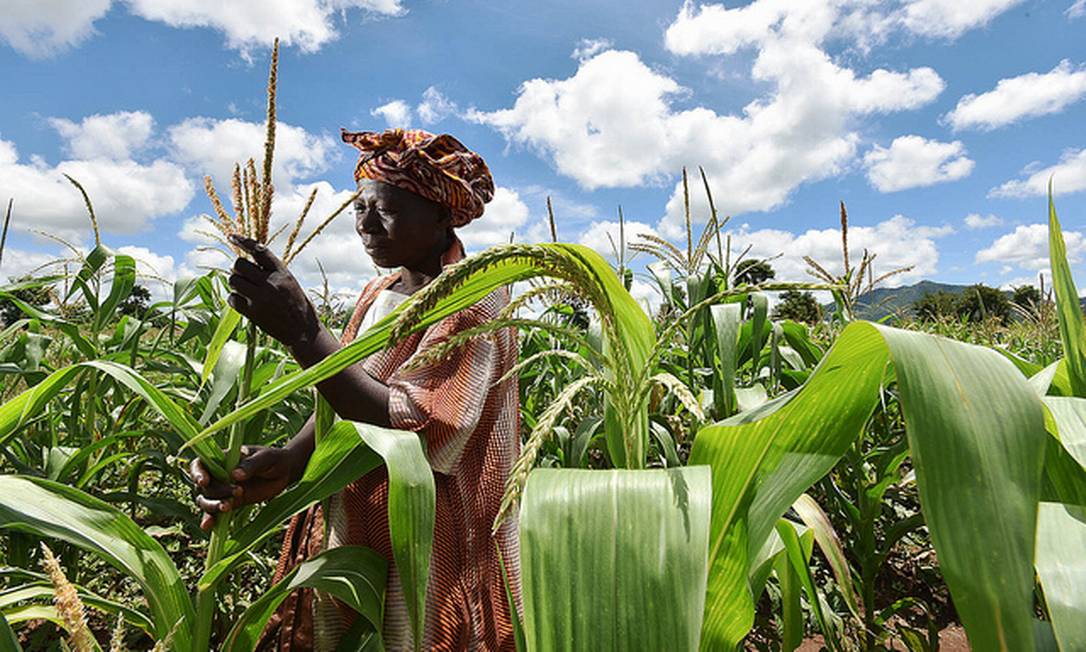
{"x": 262, "y": 473}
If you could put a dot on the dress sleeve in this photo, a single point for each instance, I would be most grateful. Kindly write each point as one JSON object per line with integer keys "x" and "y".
{"x": 443, "y": 400}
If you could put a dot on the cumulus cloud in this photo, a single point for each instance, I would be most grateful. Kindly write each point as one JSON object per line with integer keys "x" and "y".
{"x": 126, "y": 194}
{"x": 951, "y": 18}
{"x": 248, "y": 24}
{"x": 914, "y": 161}
{"x": 506, "y": 213}
{"x": 1024, "y": 96}
{"x": 977, "y": 221}
{"x": 209, "y": 146}
{"x": 396, "y": 113}
{"x": 39, "y": 29}
{"x": 1069, "y": 175}
{"x": 612, "y": 125}
{"x": 1027, "y": 248}
{"x": 896, "y": 242}
{"x": 114, "y": 136}
{"x": 615, "y": 121}
{"x": 605, "y": 236}
{"x": 434, "y": 106}
{"x": 590, "y": 47}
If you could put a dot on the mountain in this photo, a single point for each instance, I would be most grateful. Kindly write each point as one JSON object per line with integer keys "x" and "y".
{"x": 880, "y": 302}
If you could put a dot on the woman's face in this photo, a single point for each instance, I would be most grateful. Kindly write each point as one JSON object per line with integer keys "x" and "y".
{"x": 398, "y": 227}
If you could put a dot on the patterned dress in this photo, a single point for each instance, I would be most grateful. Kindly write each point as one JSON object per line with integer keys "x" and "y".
{"x": 470, "y": 428}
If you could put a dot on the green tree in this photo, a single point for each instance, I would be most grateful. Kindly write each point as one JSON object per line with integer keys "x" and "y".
{"x": 798, "y": 306}
{"x": 979, "y": 302}
{"x": 753, "y": 272}
{"x": 35, "y": 296}
{"x": 135, "y": 304}
{"x": 935, "y": 305}
{"x": 1026, "y": 296}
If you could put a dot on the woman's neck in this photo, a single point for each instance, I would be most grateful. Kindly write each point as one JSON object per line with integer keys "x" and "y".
{"x": 417, "y": 276}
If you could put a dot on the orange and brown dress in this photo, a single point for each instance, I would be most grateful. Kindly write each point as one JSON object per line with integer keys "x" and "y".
{"x": 469, "y": 425}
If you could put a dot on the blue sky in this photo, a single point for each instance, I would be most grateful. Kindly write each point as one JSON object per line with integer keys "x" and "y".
{"x": 937, "y": 121}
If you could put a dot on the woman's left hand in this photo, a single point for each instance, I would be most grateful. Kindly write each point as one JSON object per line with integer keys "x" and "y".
{"x": 267, "y": 293}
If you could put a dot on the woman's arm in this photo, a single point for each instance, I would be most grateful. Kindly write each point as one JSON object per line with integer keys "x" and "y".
{"x": 353, "y": 394}
{"x": 269, "y": 295}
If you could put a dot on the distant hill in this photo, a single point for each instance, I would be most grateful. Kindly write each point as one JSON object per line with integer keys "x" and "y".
{"x": 881, "y": 302}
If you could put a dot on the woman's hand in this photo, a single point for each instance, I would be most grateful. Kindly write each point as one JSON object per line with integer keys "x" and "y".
{"x": 269, "y": 295}
{"x": 262, "y": 473}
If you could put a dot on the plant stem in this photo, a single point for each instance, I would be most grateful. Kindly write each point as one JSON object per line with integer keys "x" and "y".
{"x": 205, "y": 599}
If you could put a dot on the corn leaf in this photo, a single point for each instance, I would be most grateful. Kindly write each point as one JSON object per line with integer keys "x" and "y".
{"x": 1061, "y": 566}
{"x": 49, "y": 509}
{"x": 602, "y": 587}
{"x": 1072, "y": 330}
{"x": 978, "y": 471}
{"x": 355, "y": 575}
{"x": 124, "y": 278}
{"x": 339, "y": 458}
{"x": 726, "y": 320}
{"x": 8, "y": 641}
{"x": 227, "y": 323}
{"x": 411, "y": 504}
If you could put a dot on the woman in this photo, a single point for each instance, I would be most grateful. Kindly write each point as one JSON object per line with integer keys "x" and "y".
{"x": 415, "y": 188}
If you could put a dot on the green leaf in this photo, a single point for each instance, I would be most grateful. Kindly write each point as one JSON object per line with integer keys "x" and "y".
{"x": 726, "y": 320}
{"x": 8, "y": 641}
{"x": 411, "y": 504}
{"x": 44, "y": 591}
{"x": 124, "y": 278}
{"x": 228, "y": 366}
{"x": 355, "y": 575}
{"x": 978, "y": 471}
{"x": 1072, "y": 330}
{"x": 340, "y": 458}
{"x": 820, "y": 526}
{"x": 49, "y": 509}
{"x": 227, "y": 323}
{"x": 1061, "y": 566}
{"x": 601, "y": 587}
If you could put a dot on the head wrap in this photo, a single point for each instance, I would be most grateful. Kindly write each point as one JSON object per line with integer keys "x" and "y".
{"x": 438, "y": 168}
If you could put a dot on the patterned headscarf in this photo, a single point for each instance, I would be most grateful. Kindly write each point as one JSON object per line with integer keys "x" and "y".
{"x": 438, "y": 168}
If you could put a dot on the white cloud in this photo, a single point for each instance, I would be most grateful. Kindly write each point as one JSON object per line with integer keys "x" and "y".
{"x": 40, "y": 29}
{"x": 605, "y": 236}
{"x": 396, "y": 113}
{"x": 126, "y": 194}
{"x": 1077, "y": 10}
{"x": 612, "y": 125}
{"x": 20, "y": 262}
{"x": 1027, "y": 248}
{"x": 1025, "y": 96}
{"x": 504, "y": 214}
{"x": 209, "y": 146}
{"x": 951, "y": 18}
{"x": 614, "y": 122}
{"x": 914, "y": 161}
{"x": 249, "y": 24}
{"x": 114, "y": 136}
{"x": 977, "y": 221}
{"x": 434, "y": 106}
{"x": 590, "y": 47}
{"x": 896, "y": 242}
{"x": 1069, "y": 175}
